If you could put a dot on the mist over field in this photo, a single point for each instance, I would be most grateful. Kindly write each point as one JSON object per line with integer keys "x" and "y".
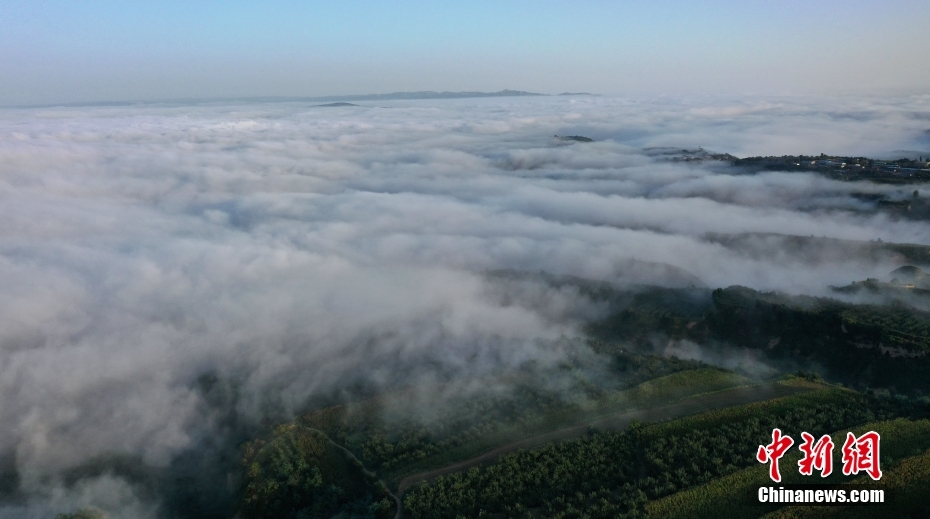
{"x": 175, "y": 274}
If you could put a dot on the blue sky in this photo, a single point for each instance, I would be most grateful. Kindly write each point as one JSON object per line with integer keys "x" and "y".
{"x": 65, "y": 51}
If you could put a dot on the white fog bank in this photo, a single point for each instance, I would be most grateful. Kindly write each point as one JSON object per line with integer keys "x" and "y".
{"x": 297, "y": 249}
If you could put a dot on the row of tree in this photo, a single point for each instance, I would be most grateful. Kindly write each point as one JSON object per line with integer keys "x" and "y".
{"x": 613, "y": 474}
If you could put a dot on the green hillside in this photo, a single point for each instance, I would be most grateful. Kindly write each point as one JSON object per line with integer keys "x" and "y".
{"x": 620, "y": 428}
{"x": 620, "y": 474}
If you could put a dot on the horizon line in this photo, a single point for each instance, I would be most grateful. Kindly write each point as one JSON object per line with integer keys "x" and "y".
{"x": 392, "y": 96}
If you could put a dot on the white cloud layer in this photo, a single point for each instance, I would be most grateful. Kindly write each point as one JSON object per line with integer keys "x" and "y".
{"x": 299, "y": 249}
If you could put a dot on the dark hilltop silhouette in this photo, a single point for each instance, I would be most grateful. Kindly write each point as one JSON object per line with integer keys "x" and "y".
{"x": 911, "y": 275}
{"x": 575, "y": 138}
{"x": 424, "y": 95}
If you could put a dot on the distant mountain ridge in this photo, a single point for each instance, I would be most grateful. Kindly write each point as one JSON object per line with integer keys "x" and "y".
{"x": 423, "y": 94}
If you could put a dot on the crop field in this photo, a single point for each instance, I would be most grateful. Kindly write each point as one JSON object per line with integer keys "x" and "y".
{"x": 616, "y": 422}
{"x": 657, "y": 392}
{"x": 398, "y": 447}
{"x": 624, "y": 473}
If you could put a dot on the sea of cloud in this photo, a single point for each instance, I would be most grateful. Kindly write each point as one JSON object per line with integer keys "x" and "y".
{"x": 297, "y": 250}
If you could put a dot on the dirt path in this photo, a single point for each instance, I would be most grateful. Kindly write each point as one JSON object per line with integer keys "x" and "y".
{"x": 369, "y": 473}
{"x": 682, "y": 408}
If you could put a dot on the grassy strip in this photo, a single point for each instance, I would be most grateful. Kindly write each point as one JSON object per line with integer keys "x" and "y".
{"x": 674, "y": 387}
{"x": 820, "y": 394}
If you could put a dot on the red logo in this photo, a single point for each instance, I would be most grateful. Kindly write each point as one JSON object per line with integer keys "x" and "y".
{"x": 816, "y": 456}
{"x": 861, "y": 454}
{"x": 773, "y": 452}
